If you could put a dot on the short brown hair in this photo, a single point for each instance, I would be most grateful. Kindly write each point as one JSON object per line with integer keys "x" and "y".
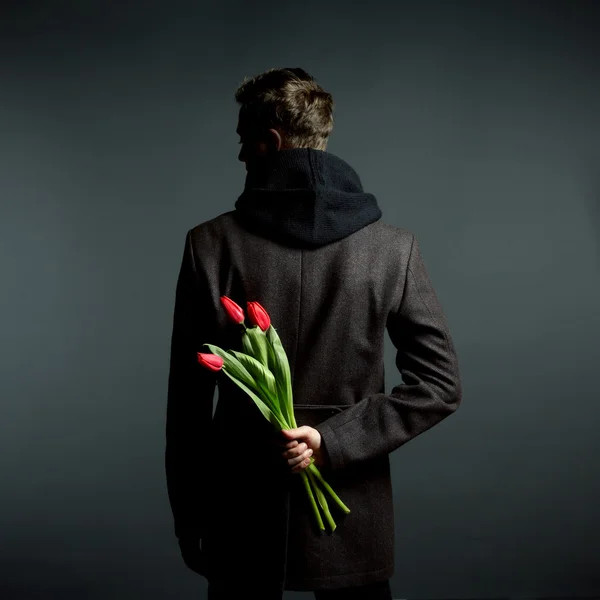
{"x": 291, "y": 101}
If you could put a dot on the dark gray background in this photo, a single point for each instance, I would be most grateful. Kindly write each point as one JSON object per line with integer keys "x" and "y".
{"x": 476, "y": 125}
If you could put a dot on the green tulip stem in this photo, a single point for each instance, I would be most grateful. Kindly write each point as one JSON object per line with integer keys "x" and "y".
{"x": 322, "y": 501}
{"x": 313, "y": 469}
{"x": 312, "y": 499}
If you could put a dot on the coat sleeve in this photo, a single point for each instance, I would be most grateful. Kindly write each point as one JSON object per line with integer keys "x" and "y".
{"x": 427, "y": 361}
{"x": 189, "y": 400}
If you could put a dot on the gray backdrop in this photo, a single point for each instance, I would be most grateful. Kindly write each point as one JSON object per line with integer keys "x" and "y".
{"x": 475, "y": 124}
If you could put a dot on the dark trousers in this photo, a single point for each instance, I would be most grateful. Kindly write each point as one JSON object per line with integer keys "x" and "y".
{"x": 374, "y": 591}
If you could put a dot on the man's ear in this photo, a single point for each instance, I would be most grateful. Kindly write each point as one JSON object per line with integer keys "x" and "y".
{"x": 275, "y": 140}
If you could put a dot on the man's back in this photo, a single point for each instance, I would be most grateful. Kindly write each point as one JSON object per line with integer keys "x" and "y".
{"x": 309, "y": 245}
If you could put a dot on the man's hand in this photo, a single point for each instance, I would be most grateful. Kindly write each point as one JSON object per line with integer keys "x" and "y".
{"x": 301, "y": 444}
{"x": 193, "y": 556}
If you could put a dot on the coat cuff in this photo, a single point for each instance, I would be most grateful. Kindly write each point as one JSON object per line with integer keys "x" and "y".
{"x": 332, "y": 446}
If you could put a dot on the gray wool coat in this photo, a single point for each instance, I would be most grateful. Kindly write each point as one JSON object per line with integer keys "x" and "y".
{"x": 331, "y": 305}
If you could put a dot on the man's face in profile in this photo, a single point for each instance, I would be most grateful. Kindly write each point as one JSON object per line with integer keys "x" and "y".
{"x": 254, "y": 143}
{"x": 251, "y": 144}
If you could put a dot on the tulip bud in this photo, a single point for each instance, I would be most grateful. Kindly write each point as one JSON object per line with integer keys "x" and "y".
{"x": 258, "y": 315}
{"x": 233, "y": 310}
{"x": 210, "y": 361}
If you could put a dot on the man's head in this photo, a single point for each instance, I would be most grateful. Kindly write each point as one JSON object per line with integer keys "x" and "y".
{"x": 282, "y": 108}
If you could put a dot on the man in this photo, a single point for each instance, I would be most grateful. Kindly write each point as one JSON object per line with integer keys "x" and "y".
{"x": 309, "y": 245}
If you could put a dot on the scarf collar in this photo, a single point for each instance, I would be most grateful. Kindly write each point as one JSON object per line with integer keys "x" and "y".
{"x": 303, "y": 197}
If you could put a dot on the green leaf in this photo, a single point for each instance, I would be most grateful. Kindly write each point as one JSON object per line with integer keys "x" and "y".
{"x": 265, "y": 382}
{"x": 238, "y": 373}
{"x": 247, "y": 344}
{"x": 262, "y": 345}
{"x": 259, "y": 372}
{"x": 282, "y": 372}
{"x": 259, "y": 343}
{"x": 233, "y": 365}
{"x": 264, "y": 409}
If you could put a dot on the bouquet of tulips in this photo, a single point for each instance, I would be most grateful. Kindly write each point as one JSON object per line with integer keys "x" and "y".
{"x": 263, "y": 372}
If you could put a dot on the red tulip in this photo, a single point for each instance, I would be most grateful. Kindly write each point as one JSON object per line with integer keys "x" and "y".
{"x": 258, "y": 315}
{"x": 233, "y": 310}
{"x": 211, "y": 361}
